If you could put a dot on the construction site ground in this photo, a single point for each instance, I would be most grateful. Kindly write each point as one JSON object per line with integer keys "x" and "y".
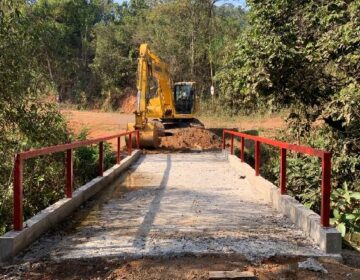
{"x": 105, "y": 123}
{"x": 186, "y": 267}
{"x": 156, "y": 224}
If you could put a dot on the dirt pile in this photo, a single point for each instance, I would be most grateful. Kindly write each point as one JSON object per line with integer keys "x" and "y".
{"x": 191, "y": 138}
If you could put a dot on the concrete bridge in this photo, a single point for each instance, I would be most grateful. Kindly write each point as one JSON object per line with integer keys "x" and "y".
{"x": 162, "y": 205}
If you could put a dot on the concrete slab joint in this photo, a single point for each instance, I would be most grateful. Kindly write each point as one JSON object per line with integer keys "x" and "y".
{"x": 13, "y": 242}
{"x": 328, "y": 239}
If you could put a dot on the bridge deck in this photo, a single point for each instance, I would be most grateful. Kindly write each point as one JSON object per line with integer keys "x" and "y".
{"x": 173, "y": 204}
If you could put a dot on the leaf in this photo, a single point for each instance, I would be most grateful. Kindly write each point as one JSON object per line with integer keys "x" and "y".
{"x": 355, "y": 195}
{"x": 347, "y": 197}
{"x": 350, "y": 216}
{"x": 336, "y": 214}
{"x": 342, "y": 229}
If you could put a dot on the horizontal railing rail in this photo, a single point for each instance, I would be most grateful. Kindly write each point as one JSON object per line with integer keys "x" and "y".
{"x": 284, "y": 147}
{"x": 68, "y": 148}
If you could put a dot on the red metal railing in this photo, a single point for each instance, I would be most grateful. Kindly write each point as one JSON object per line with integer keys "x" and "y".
{"x": 21, "y": 157}
{"x": 324, "y": 155}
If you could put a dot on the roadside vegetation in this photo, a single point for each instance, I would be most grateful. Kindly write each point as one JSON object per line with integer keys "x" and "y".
{"x": 295, "y": 59}
{"x": 303, "y": 56}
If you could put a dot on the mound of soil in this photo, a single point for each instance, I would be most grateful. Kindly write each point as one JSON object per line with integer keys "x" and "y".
{"x": 191, "y": 138}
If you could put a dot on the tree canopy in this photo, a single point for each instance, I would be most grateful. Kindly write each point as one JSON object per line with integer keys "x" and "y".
{"x": 303, "y": 56}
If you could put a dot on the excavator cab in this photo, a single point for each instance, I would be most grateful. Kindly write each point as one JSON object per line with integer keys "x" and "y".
{"x": 184, "y": 98}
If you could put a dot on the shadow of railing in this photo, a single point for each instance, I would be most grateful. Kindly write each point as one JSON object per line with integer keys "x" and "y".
{"x": 145, "y": 227}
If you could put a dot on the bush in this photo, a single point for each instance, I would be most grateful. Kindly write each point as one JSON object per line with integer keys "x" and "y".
{"x": 86, "y": 161}
{"x": 304, "y": 179}
{"x": 44, "y": 180}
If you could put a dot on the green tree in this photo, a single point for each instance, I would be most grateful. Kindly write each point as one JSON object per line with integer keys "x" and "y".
{"x": 191, "y": 36}
{"x": 303, "y": 55}
{"x": 27, "y": 119}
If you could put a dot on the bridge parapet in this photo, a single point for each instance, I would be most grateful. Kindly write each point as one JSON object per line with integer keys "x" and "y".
{"x": 68, "y": 148}
{"x": 15, "y": 241}
{"x": 284, "y": 147}
{"x": 318, "y": 228}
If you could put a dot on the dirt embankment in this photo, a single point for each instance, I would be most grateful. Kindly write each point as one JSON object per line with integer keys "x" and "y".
{"x": 127, "y": 103}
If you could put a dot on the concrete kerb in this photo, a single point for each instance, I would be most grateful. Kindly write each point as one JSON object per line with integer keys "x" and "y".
{"x": 13, "y": 242}
{"x": 328, "y": 239}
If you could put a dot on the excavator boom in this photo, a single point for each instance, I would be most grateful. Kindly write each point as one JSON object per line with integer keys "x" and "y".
{"x": 158, "y": 101}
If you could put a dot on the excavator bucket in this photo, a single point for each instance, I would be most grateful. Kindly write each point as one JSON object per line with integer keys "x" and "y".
{"x": 149, "y": 135}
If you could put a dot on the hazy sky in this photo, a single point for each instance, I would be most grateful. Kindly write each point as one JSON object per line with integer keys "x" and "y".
{"x": 235, "y": 2}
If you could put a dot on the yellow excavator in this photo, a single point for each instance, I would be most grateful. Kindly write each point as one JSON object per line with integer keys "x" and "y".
{"x": 160, "y": 104}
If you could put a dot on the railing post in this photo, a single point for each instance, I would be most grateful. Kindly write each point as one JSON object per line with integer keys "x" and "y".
{"x": 325, "y": 189}
{"x": 257, "y": 158}
{"x": 223, "y": 140}
{"x": 101, "y": 158}
{"x": 18, "y": 193}
{"x": 282, "y": 171}
{"x": 130, "y": 144}
{"x": 138, "y": 139}
{"x": 69, "y": 173}
{"x": 118, "y": 151}
{"x": 232, "y": 144}
{"x": 242, "y": 151}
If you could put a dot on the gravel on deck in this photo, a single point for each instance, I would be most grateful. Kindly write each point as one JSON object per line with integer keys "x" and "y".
{"x": 176, "y": 204}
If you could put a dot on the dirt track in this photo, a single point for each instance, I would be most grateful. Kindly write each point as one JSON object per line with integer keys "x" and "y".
{"x": 97, "y": 123}
{"x": 104, "y": 123}
{"x": 187, "y": 267}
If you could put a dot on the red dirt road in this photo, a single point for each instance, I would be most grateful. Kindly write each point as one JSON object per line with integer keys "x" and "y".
{"x": 97, "y": 123}
{"x": 104, "y": 123}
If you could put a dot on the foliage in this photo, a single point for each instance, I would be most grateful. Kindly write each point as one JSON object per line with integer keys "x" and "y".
{"x": 346, "y": 206}
{"x": 27, "y": 120}
{"x": 303, "y": 55}
{"x": 86, "y": 161}
{"x": 88, "y": 49}
{"x": 192, "y": 36}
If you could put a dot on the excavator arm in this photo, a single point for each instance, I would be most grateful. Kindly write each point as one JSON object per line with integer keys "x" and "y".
{"x": 156, "y": 100}
{"x": 154, "y": 97}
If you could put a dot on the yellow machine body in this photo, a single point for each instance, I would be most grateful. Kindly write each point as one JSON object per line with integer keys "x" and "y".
{"x": 158, "y": 98}
{"x": 149, "y": 134}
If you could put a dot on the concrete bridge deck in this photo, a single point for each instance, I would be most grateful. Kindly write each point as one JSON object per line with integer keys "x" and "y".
{"x": 175, "y": 204}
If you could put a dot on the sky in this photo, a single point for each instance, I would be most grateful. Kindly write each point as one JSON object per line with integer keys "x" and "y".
{"x": 234, "y": 2}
